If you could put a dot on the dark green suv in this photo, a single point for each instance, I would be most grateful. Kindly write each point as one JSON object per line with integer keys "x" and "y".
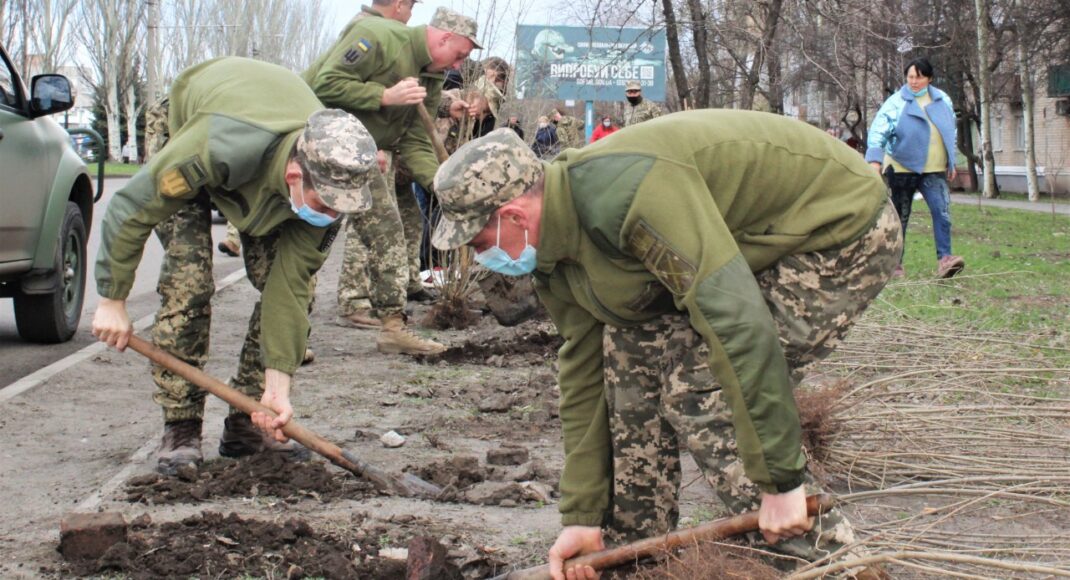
{"x": 46, "y": 208}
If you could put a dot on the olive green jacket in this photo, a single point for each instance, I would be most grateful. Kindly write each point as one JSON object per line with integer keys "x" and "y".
{"x": 677, "y": 214}
{"x": 374, "y": 54}
{"x": 233, "y": 123}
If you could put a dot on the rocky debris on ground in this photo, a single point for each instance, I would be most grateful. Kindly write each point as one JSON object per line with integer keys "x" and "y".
{"x": 507, "y": 455}
{"x": 260, "y": 475}
{"x": 392, "y": 439}
{"x": 464, "y": 480}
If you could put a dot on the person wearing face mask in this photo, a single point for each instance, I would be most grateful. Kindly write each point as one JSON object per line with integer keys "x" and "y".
{"x": 604, "y": 129}
{"x": 252, "y": 139}
{"x": 913, "y": 136}
{"x": 692, "y": 286}
{"x": 639, "y": 109}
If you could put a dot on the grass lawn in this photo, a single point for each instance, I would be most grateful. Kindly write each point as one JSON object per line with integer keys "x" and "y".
{"x": 1045, "y": 197}
{"x": 1017, "y": 275}
{"x": 113, "y": 169}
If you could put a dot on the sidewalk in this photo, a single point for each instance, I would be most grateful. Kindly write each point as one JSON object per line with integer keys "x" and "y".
{"x": 1044, "y": 206}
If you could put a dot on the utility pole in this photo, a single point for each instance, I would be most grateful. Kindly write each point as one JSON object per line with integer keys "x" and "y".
{"x": 152, "y": 53}
{"x": 25, "y": 40}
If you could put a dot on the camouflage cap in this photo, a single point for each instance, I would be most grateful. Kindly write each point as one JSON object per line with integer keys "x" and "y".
{"x": 633, "y": 86}
{"x": 450, "y": 21}
{"x": 480, "y": 177}
{"x": 339, "y": 155}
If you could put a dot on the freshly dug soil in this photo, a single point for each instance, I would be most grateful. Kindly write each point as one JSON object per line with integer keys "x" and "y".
{"x": 260, "y": 475}
{"x": 211, "y": 545}
{"x": 522, "y": 349}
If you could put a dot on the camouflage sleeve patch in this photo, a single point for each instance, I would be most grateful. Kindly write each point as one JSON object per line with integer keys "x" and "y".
{"x": 356, "y": 52}
{"x": 676, "y": 273}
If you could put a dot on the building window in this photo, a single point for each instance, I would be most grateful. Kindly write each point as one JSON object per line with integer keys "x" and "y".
{"x": 997, "y": 132}
{"x": 1019, "y": 132}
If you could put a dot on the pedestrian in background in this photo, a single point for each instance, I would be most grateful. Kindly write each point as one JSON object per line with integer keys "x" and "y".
{"x": 604, "y": 129}
{"x": 639, "y": 109}
{"x": 546, "y": 143}
{"x": 913, "y": 137}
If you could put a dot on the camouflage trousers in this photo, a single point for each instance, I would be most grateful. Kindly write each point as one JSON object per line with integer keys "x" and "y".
{"x": 381, "y": 260}
{"x": 233, "y": 235}
{"x": 183, "y": 321}
{"x": 661, "y": 392}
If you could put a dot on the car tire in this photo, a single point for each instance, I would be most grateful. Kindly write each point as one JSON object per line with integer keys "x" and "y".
{"x": 54, "y": 317}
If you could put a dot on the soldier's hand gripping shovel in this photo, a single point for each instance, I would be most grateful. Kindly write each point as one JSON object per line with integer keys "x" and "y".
{"x": 629, "y": 553}
{"x": 407, "y": 485}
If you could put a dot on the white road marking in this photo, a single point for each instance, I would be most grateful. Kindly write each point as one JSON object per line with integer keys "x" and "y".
{"x": 41, "y": 376}
{"x": 139, "y": 456}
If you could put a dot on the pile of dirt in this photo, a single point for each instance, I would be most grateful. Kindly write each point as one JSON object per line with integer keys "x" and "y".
{"x": 211, "y": 545}
{"x": 522, "y": 349}
{"x": 507, "y": 484}
{"x": 260, "y": 475}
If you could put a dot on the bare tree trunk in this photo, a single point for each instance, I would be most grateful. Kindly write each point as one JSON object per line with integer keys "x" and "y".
{"x": 679, "y": 74}
{"x": 131, "y": 124}
{"x": 985, "y": 102}
{"x": 1025, "y": 71}
{"x": 152, "y": 53}
{"x": 111, "y": 111}
{"x": 699, "y": 35}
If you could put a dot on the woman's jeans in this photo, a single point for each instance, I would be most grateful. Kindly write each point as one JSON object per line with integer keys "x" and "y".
{"x": 934, "y": 188}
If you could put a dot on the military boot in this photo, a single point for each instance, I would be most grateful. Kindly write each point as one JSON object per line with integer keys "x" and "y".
{"x": 364, "y": 319}
{"x": 241, "y": 438}
{"x": 396, "y": 338}
{"x": 180, "y": 446}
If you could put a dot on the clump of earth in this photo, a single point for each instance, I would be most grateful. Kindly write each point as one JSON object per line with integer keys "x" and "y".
{"x": 217, "y": 546}
{"x": 528, "y": 346}
{"x": 260, "y": 475}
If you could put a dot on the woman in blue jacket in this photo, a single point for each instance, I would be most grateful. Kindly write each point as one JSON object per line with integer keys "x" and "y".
{"x": 913, "y": 136}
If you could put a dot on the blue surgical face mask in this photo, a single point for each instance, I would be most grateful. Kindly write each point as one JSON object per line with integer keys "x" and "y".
{"x": 498, "y": 260}
{"x": 920, "y": 93}
{"x": 311, "y": 216}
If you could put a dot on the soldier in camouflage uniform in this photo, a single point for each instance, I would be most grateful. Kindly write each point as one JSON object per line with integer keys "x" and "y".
{"x": 569, "y": 130}
{"x": 379, "y": 70}
{"x": 693, "y": 287}
{"x": 639, "y": 109}
{"x": 251, "y": 138}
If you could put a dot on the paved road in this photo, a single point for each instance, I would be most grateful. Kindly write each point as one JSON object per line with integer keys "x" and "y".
{"x": 18, "y": 358}
{"x": 1038, "y": 206}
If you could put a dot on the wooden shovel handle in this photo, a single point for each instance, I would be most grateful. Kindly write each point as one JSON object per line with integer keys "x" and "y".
{"x": 429, "y": 126}
{"x": 711, "y": 531}
{"x": 239, "y": 400}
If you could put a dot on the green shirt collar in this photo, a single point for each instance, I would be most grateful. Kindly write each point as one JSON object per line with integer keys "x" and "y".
{"x": 558, "y": 226}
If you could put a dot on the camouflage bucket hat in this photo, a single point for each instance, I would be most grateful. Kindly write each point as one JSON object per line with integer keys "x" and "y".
{"x": 633, "y": 86}
{"x": 339, "y": 155}
{"x": 480, "y": 177}
{"x": 450, "y": 21}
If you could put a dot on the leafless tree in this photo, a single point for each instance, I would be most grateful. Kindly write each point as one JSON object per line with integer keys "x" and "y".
{"x": 108, "y": 30}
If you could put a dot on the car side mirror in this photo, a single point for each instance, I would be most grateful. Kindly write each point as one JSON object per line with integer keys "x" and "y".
{"x": 50, "y": 94}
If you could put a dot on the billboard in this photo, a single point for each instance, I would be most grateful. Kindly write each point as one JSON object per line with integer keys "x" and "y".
{"x": 588, "y": 64}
